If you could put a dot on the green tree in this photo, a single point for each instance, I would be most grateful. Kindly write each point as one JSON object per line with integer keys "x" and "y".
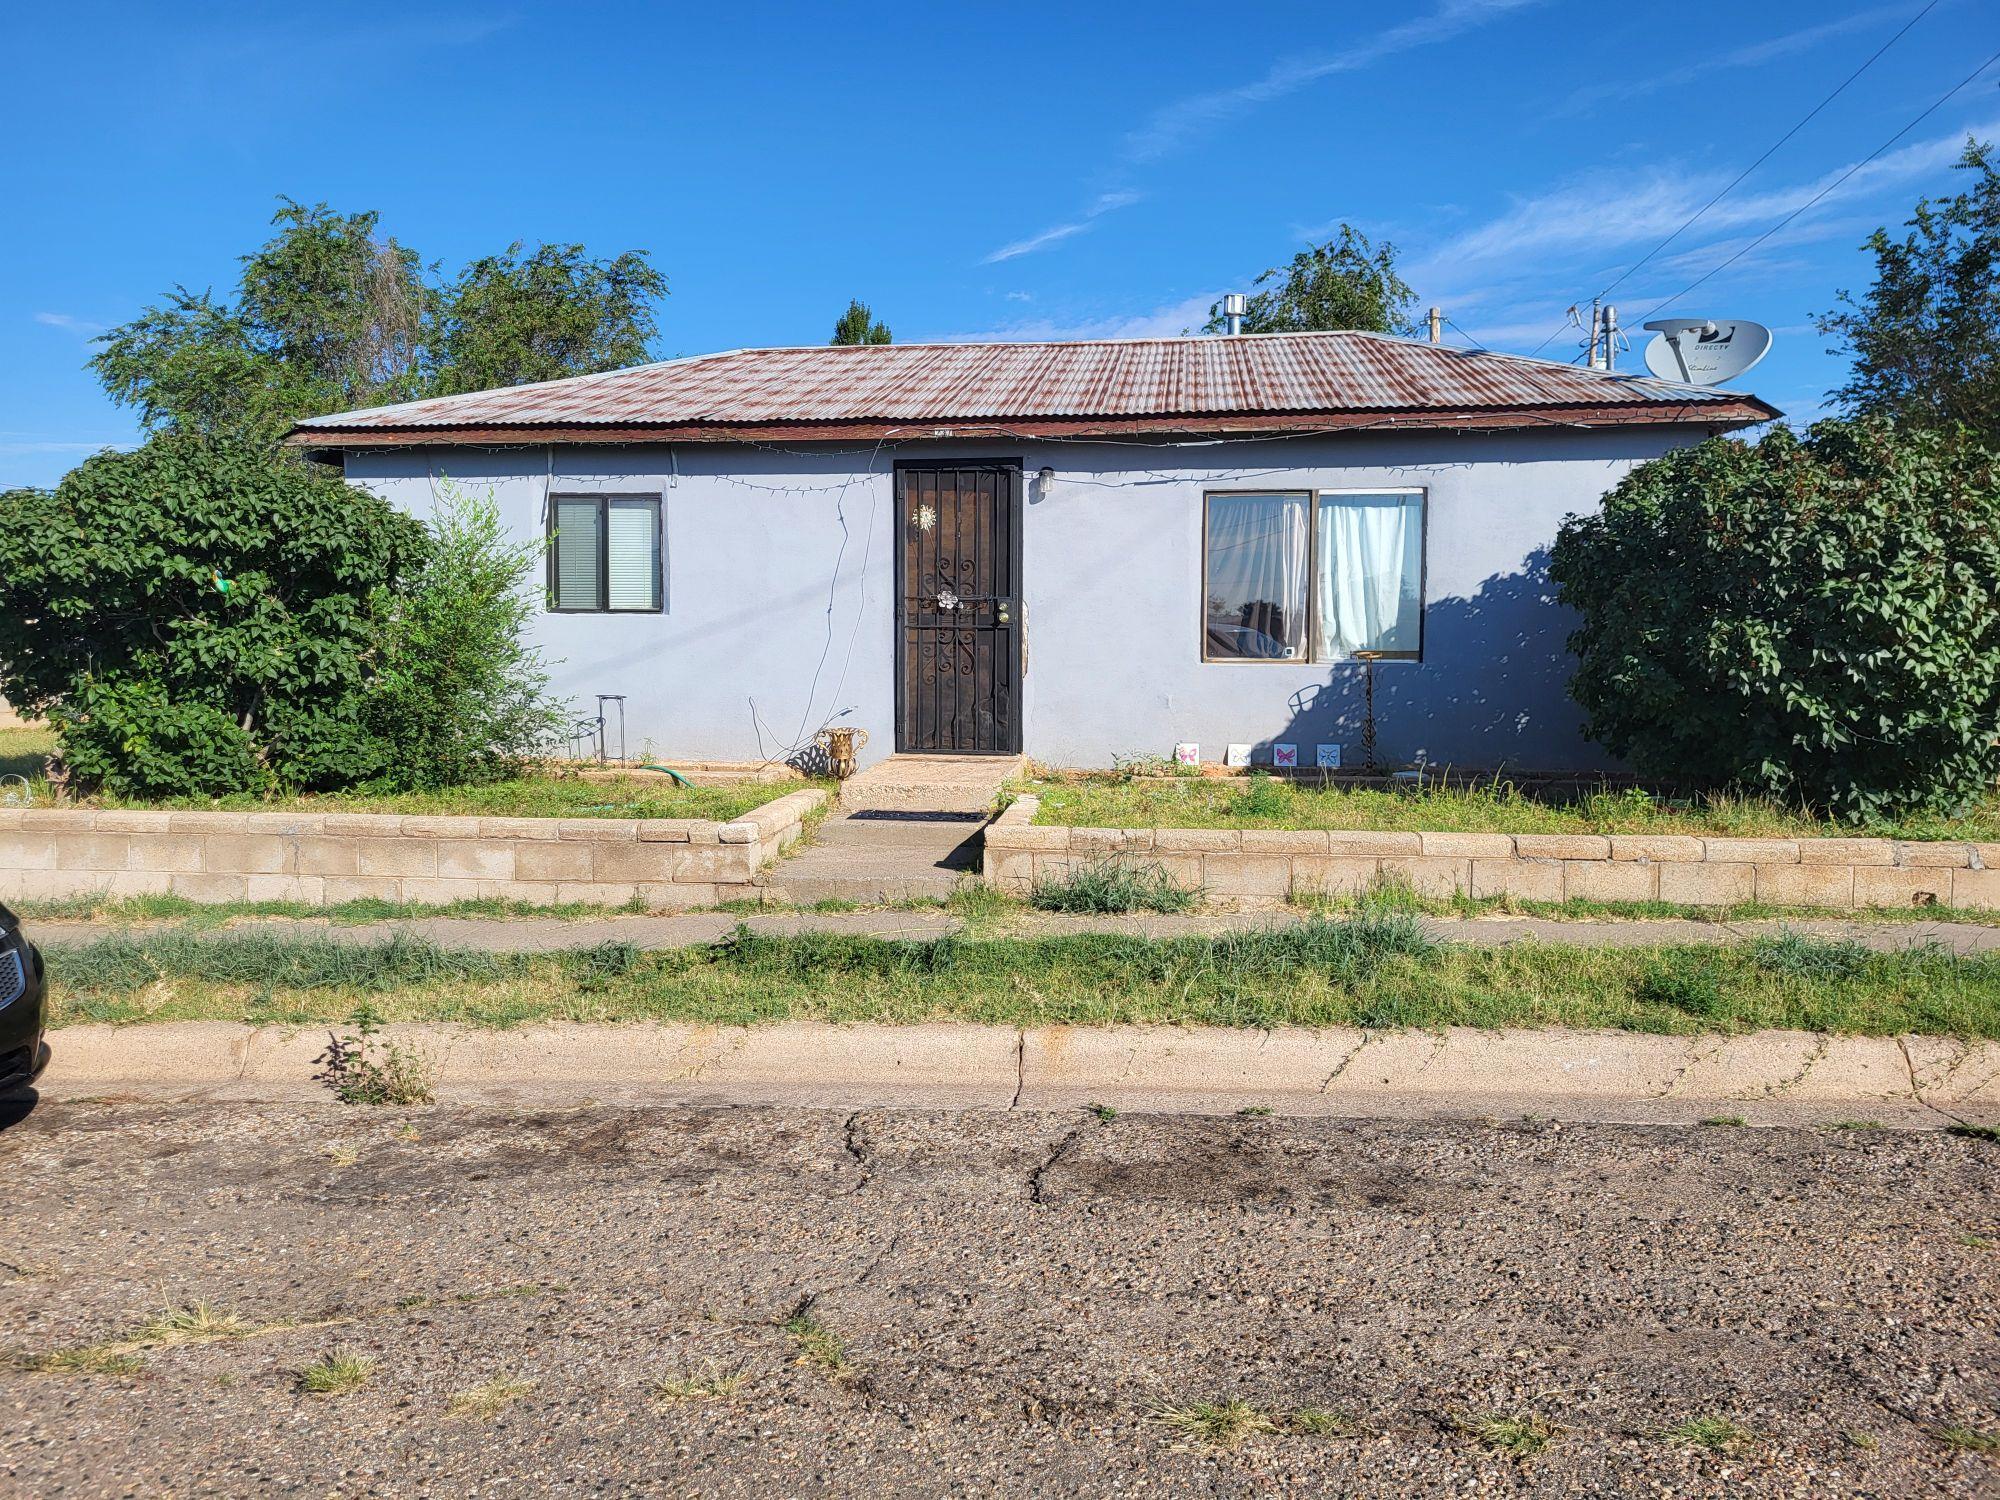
{"x": 860, "y": 326}
{"x": 194, "y": 618}
{"x": 329, "y": 315}
{"x": 1926, "y": 336}
{"x": 1345, "y": 283}
{"x": 462, "y": 698}
{"x": 513, "y": 318}
{"x": 1810, "y": 618}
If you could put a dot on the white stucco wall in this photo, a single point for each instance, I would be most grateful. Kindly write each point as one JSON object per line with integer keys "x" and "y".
{"x": 780, "y": 570}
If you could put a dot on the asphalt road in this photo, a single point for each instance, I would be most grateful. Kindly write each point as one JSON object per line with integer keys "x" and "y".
{"x": 1015, "y": 1297}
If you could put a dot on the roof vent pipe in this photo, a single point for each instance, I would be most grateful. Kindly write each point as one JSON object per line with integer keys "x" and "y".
{"x": 1232, "y": 312}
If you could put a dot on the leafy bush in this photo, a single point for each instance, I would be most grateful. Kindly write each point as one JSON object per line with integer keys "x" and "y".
{"x": 364, "y": 1067}
{"x": 1809, "y": 618}
{"x": 462, "y": 698}
{"x": 193, "y": 616}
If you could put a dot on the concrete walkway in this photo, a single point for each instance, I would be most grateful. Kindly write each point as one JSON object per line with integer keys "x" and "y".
{"x": 549, "y": 934}
{"x": 1770, "y": 1078}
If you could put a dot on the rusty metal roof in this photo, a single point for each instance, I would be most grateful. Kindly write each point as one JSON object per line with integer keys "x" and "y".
{"x": 1207, "y": 383}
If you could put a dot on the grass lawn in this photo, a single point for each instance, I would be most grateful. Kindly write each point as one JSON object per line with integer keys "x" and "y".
{"x": 1375, "y": 970}
{"x": 653, "y": 796}
{"x": 1082, "y": 800}
{"x": 639, "y": 796}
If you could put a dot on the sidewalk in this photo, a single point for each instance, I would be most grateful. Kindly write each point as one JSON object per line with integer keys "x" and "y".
{"x": 548, "y": 934}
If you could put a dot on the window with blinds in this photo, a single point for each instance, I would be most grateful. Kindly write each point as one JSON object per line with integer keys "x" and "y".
{"x": 604, "y": 553}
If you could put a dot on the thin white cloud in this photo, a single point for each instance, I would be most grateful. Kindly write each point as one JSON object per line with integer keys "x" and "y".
{"x": 82, "y": 327}
{"x": 1184, "y": 120}
{"x": 1603, "y": 211}
{"x": 1056, "y": 233}
{"x": 1681, "y": 69}
{"x": 1178, "y": 123}
{"x": 1020, "y": 296}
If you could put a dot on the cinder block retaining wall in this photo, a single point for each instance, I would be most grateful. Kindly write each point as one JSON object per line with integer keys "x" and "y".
{"x": 1253, "y": 866}
{"x": 669, "y": 864}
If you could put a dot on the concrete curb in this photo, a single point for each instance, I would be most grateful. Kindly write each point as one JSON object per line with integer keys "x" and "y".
{"x": 1777, "y": 1077}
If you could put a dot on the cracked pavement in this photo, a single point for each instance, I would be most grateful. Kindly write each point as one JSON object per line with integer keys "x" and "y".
{"x": 1015, "y": 1294}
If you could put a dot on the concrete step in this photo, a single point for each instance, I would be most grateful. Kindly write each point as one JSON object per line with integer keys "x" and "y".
{"x": 929, "y": 836}
{"x": 875, "y": 857}
{"x": 930, "y": 783}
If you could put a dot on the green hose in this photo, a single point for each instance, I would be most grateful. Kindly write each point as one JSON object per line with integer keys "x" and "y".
{"x": 679, "y": 780}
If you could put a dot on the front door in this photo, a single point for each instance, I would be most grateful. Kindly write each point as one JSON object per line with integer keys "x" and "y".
{"x": 958, "y": 611}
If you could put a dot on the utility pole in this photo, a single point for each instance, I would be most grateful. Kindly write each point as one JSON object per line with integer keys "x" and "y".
{"x": 1610, "y": 337}
{"x": 1595, "y": 359}
{"x": 1437, "y": 325}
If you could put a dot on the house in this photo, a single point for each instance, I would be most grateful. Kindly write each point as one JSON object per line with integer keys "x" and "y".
{"x": 1077, "y": 550}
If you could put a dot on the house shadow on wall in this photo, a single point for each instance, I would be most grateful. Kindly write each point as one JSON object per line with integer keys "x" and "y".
{"x": 1492, "y": 688}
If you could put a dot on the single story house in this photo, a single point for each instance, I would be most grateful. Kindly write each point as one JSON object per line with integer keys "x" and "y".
{"x": 1077, "y": 550}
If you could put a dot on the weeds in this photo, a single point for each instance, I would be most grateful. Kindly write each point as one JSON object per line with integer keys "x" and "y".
{"x": 1377, "y": 968}
{"x": 1254, "y": 1111}
{"x": 819, "y": 1346}
{"x": 1867, "y": 1442}
{"x": 1519, "y": 1435}
{"x": 1856, "y": 1125}
{"x": 1104, "y": 1112}
{"x": 1973, "y": 1132}
{"x": 1723, "y": 1120}
{"x": 197, "y": 1323}
{"x": 482, "y": 1403}
{"x": 1969, "y": 1439}
{"x": 1221, "y": 1425}
{"x": 1809, "y": 957}
{"x": 1107, "y": 886}
{"x": 1717, "y": 1434}
{"x": 364, "y": 1067}
{"x": 336, "y": 1374}
{"x": 1684, "y": 981}
{"x": 90, "y": 1359}
{"x": 714, "y": 1384}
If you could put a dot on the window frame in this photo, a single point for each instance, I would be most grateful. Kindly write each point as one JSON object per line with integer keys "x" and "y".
{"x": 603, "y": 499}
{"x": 1313, "y": 496}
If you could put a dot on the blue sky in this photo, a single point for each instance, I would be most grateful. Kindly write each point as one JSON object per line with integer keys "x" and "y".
{"x": 1017, "y": 170}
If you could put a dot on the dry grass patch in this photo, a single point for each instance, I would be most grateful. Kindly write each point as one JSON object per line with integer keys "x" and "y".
{"x": 713, "y": 1384}
{"x": 819, "y": 1346}
{"x": 1220, "y": 1425}
{"x": 481, "y": 1403}
{"x": 1715, "y": 1433}
{"x": 1515, "y": 1434}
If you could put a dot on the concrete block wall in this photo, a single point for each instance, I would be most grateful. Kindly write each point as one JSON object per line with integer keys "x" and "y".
{"x": 670, "y": 864}
{"x": 1254, "y": 866}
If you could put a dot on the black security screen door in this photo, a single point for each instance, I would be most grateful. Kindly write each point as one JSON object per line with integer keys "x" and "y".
{"x": 958, "y": 625}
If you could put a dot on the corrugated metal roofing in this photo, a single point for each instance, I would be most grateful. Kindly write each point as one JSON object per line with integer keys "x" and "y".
{"x": 1263, "y": 374}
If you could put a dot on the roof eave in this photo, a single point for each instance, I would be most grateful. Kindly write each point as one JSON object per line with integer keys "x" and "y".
{"x": 1721, "y": 416}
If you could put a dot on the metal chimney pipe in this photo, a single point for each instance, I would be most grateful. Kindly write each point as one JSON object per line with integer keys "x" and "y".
{"x": 1232, "y": 312}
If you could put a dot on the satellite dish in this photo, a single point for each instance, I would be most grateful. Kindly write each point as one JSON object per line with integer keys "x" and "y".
{"x": 1705, "y": 351}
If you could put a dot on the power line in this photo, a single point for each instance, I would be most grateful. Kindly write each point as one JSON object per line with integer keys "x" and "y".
{"x": 1737, "y": 181}
{"x": 1941, "y": 101}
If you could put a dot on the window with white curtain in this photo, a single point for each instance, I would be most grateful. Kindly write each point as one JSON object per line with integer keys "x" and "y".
{"x": 604, "y": 553}
{"x": 1369, "y": 575}
{"x": 1297, "y": 576}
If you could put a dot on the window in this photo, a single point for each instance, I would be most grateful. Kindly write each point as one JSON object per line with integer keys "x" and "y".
{"x": 604, "y": 553}
{"x": 1298, "y": 576}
